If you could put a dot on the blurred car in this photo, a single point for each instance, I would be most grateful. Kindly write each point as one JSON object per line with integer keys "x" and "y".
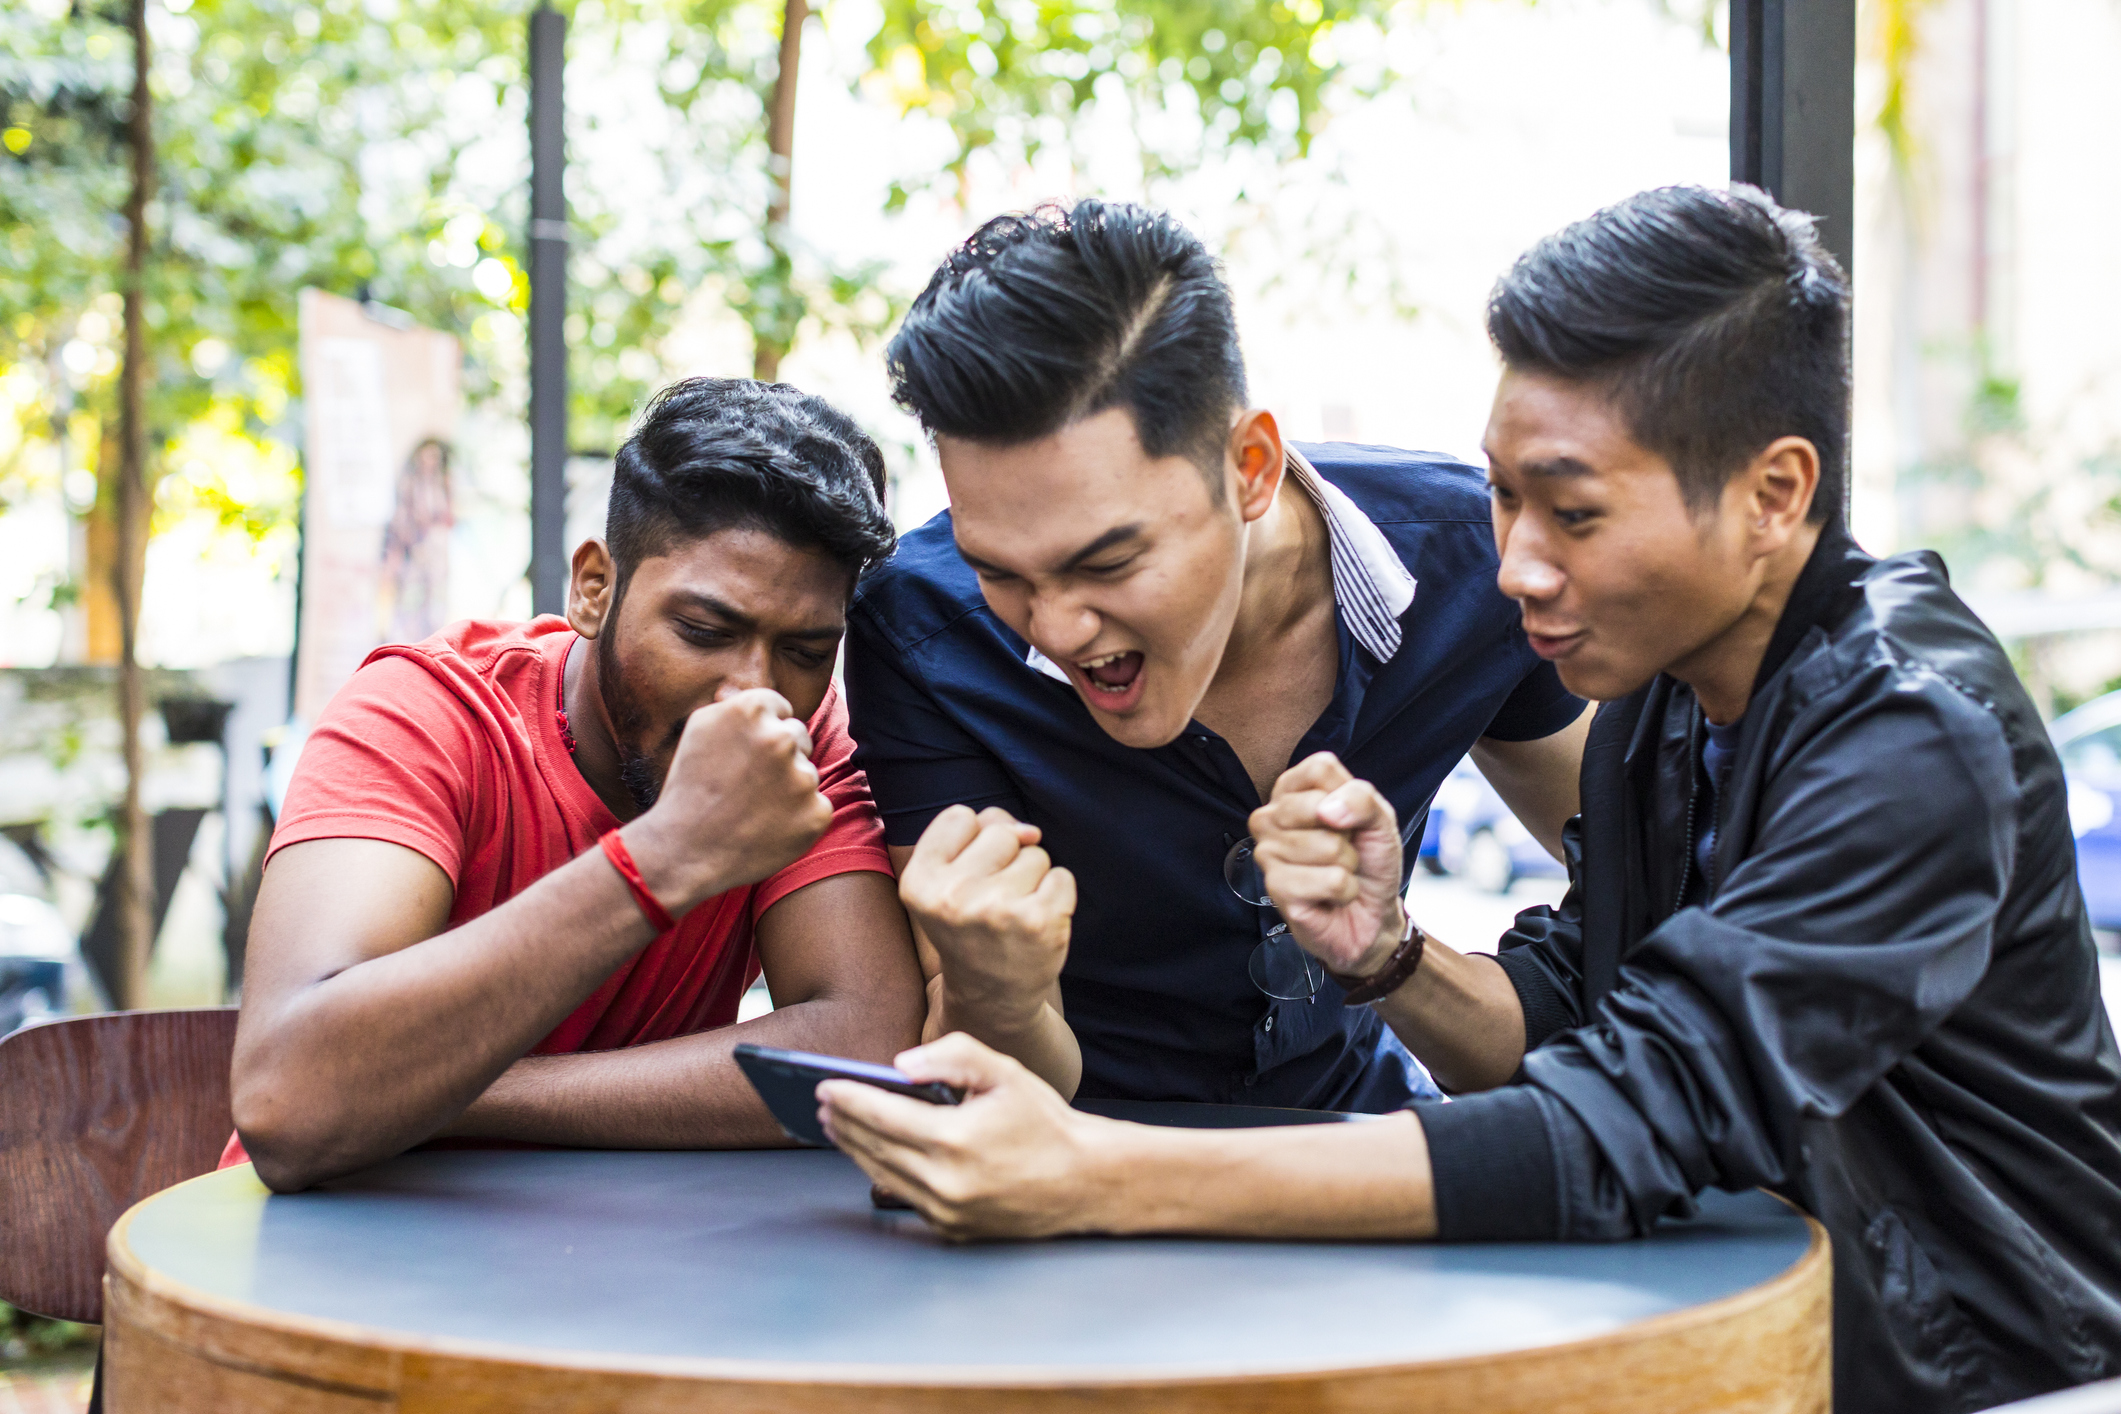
{"x": 2089, "y": 740}
{"x": 41, "y": 973}
{"x": 1472, "y": 834}
{"x": 41, "y": 970}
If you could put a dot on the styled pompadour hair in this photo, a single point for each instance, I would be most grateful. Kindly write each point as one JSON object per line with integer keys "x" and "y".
{"x": 1047, "y": 317}
{"x": 1715, "y": 320}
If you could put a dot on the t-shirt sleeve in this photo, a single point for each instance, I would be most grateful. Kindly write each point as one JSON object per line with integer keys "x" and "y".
{"x": 392, "y": 758}
{"x": 1538, "y": 706}
{"x": 854, "y": 842}
{"x": 919, "y": 760}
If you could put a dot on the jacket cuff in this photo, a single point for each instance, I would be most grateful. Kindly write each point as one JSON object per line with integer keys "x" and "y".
{"x": 1545, "y": 1011}
{"x": 1491, "y": 1168}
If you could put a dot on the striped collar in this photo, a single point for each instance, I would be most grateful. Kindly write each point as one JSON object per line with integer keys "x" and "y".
{"x": 1371, "y": 584}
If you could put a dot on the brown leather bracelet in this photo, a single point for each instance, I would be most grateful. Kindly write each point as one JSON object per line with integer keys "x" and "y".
{"x": 1397, "y": 969}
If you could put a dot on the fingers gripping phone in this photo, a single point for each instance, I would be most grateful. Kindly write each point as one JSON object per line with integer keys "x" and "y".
{"x": 787, "y": 1082}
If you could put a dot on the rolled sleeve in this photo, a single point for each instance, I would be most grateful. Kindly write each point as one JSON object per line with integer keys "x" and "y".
{"x": 1491, "y": 1167}
{"x": 854, "y": 842}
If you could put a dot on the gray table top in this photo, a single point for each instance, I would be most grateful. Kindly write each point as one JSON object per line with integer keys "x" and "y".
{"x": 777, "y": 1257}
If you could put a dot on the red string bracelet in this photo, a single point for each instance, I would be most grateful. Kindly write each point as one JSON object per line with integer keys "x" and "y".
{"x": 622, "y": 860}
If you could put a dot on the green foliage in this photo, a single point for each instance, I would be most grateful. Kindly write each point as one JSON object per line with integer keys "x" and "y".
{"x": 2000, "y": 513}
{"x": 377, "y": 149}
{"x": 62, "y": 98}
{"x": 26, "y": 1339}
{"x": 269, "y": 119}
{"x": 1896, "y": 40}
{"x": 2067, "y": 701}
{"x": 1256, "y": 74}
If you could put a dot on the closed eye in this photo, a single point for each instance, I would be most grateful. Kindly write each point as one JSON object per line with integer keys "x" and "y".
{"x": 703, "y": 634}
{"x": 1112, "y": 568}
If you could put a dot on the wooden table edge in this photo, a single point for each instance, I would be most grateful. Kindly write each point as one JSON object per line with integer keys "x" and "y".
{"x": 180, "y": 1313}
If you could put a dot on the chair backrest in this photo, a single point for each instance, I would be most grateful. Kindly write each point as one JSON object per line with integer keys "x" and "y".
{"x": 96, "y": 1113}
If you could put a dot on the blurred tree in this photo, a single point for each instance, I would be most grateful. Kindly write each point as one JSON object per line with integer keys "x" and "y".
{"x": 1003, "y": 73}
{"x": 377, "y": 148}
{"x": 368, "y": 148}
{"x": 770, "y": 344}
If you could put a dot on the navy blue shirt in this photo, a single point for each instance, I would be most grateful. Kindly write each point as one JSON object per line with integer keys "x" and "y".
{"x": 949, "y": 707}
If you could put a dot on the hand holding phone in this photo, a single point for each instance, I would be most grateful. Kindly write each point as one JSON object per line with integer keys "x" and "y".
{"x": 787, "y": 1081}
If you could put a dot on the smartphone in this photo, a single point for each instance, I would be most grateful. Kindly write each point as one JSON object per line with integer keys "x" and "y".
{"x": 787, "y": 1082}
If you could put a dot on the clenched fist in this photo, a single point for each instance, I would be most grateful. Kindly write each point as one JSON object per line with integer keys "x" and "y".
{"x": 996, "y": 908}
{"x": 1328, "y": 847}
{"x": 741, "y": 801}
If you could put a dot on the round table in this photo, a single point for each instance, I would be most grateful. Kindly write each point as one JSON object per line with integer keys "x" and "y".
{"x": 765, "y": 1281}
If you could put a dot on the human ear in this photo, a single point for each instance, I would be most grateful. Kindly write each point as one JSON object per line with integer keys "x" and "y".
{"x": 1780, "y": 485}
{"x": 589, "y": 588}
{"x": 1256, "y": 447}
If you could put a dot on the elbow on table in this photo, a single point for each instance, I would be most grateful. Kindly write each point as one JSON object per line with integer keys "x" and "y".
{"x": 289, "y": 1149}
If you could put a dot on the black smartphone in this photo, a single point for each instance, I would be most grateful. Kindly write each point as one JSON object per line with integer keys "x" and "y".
{"x": 787, "y": 1082}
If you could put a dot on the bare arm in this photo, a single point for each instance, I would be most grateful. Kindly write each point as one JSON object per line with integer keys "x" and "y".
{"x": 1038, "y": 1035}
{"x": 1014, "y": 1161}
{"x": 1329, "y": 846}
{"x": 1461, "y": 1016}
{"x": 360, "y": 1037}
{"x": 841, "y": 970}
{"x": 366, "y": 1028}
{"x": 1538, "y": 779}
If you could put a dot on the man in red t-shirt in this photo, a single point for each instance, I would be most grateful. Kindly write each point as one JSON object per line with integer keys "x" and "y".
{"x": 524, "y": 872}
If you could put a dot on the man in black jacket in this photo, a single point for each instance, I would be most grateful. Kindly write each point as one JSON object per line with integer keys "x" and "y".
{"x": 1824, "y": 934}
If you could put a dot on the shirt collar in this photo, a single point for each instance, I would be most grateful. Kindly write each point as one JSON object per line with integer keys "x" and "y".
{"x": 1371, "y": 584}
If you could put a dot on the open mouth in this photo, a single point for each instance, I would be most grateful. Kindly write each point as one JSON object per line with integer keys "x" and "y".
{"x": 1112, "y": 678}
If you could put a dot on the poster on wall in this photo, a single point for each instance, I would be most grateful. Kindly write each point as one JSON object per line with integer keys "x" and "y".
{"x": 381, "y": 402}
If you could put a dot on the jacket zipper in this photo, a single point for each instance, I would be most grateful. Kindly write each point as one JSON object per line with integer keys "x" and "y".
{"x": 1693, "y": 792}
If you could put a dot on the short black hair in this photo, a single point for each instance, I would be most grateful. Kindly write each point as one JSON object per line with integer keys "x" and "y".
{"x": 713, "y": 453}
{"x": 1715, "y": 319}
{"x": 1049, "y": 316}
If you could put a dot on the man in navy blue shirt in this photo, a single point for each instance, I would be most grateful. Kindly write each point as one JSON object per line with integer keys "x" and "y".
{"x": 1072, "y": 690}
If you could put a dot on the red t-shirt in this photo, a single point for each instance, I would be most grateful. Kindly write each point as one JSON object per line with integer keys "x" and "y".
{"x": 453, "y": 747}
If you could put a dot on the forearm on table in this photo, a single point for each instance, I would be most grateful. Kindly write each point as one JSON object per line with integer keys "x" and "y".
{"x": 1040, "y": 1038}
{"x": 1365, "y": 1180}
{"x": 1460, "y": 1016}
{"x": 379, "y": 1056}
{"x": 683, "y": 1093}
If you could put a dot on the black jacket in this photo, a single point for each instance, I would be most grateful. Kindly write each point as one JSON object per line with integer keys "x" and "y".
{"x": 1883, "y": 1004}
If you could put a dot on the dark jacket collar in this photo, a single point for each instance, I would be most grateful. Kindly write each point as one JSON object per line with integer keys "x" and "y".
{"x": 1827, "y": 589}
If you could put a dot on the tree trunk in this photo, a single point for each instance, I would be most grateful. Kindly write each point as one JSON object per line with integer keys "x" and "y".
{"x": 136, "y": 880}
{"x": 767, "y": 347}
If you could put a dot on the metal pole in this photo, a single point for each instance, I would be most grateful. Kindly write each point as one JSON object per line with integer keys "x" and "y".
{"x": 1793, "y": 109}
{"x": 1793, "y": 117}
{"x": 548, "y": 315}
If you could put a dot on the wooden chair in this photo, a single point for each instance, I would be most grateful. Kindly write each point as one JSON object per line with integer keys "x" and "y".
{"x": 96, "y": 1113}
